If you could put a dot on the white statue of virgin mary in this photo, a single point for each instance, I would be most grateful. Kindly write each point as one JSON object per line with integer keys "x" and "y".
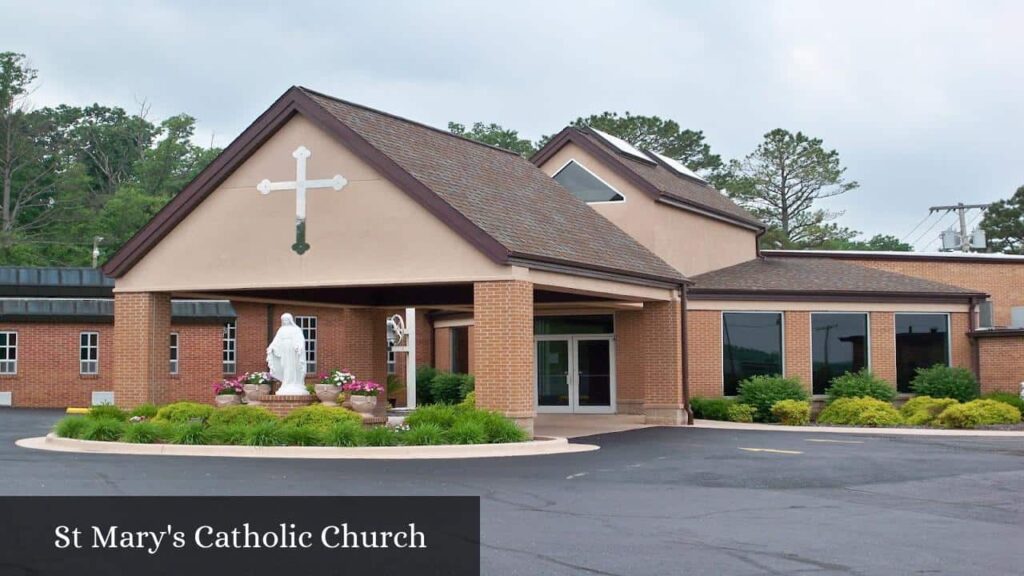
{"x": 286, "y": 357}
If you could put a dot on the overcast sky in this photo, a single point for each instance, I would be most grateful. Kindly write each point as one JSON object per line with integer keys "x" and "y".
{"x": 923, "y": 100}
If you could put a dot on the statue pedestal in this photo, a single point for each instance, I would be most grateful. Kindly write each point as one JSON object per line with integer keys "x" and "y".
{"x": 280, "y": 405}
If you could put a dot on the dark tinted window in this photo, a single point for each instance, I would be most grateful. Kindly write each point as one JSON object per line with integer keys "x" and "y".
{"x": 922, "y": 340}
{"x": 840, "y": 344}
{"x": 585, "y": 185}
{"x": 574, "y": 325}
{"x": 460, "y": 349}
{"x": 751, "y": 345}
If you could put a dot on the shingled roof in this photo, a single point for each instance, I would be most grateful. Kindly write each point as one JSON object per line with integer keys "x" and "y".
{"x": 497, "y": 200}
{"x": 780, "y": 276}
{"x": 653, "y": 177}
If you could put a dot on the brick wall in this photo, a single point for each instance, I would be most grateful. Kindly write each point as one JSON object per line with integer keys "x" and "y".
{"x": 142, "y": 323}
{"x": 503, "y": 321}
{"x": 704, "y": 339}
{"x": 663, "y": 399}
{"x": 882, "y": 345}
{"x": 1001, "y": 360}
{"x": 443, "y": 349}
{"x": 796, "y": 328}
{"x": 199, "y": 363}
{"x": 629, "y": 361}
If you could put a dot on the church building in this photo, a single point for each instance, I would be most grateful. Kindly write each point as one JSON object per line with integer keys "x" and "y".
{"x": 592, "y": 278}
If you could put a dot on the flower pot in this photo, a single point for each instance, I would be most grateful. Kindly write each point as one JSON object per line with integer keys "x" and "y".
{"x": 328, "y": 394}
{"x": 222, "y": 400}
{"x": 252, "y": 391}
{"x": 363, "y": 404}
{"x": 266, "y": 389}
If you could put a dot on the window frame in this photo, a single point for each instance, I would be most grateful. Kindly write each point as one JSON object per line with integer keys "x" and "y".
{"x": 311, "y": 351}
{"x": 229, "y": 347}
{"x": 591, "y": 172}
{"x": 175, "y": 353}
{"x": 895, "y": 336}
{"x": 721, "y": 330}
{"x": 453, "y": 350}
{"x": 86, "y": 344}
{"x": 8, "y": 347}
{"x": 867, "y": 335}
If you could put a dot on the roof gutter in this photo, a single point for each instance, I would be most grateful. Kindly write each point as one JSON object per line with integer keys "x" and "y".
{"x": 684, "y": 348}
{"x": 598, "y": 272}
{"x": 833, "y": 296}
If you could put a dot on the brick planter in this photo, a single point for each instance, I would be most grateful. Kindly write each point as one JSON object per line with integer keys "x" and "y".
{"x": 280, "y": 406}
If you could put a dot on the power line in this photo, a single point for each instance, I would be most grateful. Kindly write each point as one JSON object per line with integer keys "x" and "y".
{"x": 961, "y": 211}
{"x": 930, "y": 228}
{"x": 923, "y": 220}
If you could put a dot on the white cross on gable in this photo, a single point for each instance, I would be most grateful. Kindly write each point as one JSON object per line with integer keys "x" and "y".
{"x": 300, "y": 185}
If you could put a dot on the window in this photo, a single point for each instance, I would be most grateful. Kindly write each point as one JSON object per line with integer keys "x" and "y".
{"x": 546, "y": 325}
{"x": 308, "y": 325}
{"x": 391, "y": 360}
{"x": 839, "y": 345}
{"x": 751, "y": 346}
{"x": 229, "y": 348}
{"x": 460, "y": 349}
{"x": 89, "y": 353}
{"x": 174, "y": 353}
{"x": 585, "y": 185}
{"x": 922, "y": 340}
{"x": 8, "y": 352}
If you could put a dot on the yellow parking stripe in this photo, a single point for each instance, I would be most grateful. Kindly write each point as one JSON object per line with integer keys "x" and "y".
{"x": 771, "y": 450}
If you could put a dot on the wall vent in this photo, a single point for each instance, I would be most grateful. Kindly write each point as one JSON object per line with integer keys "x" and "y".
{"x": 102, "y": 398}
{"x": 5, "y": 399}
{"x": 1017, "y": 317}
{"x": 985, "y": 314}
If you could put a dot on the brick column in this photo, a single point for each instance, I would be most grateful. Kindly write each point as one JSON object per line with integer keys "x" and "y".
{"x": 364, "y": 348}
{"x": 503, "y": 333}
{"x": 629, "y": 362}
{"x": 663, "y": 366}
{"x": 882, "y": 341}
{"x": 797, "y": 347}
{"x": 142, "y": 327}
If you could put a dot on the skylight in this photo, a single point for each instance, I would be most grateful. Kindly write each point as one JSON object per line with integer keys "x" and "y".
{"x": 678, "y": 166}
{"x": 585, "y": 185}
{"x": 622, "y": 145}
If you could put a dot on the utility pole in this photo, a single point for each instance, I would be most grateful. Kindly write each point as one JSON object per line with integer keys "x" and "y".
{"x": 96, "y": 250}
{"x": 961, "y": 209}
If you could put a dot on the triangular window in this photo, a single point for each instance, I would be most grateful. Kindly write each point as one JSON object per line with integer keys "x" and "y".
{"x": 585, "y": 185}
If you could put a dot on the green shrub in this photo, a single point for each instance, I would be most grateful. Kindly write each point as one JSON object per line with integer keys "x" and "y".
{"x": 762, "y": 392}
{"x": 424, "y": 376}
{"x": 941, "y": 381}
{"x": 266, "y": 434}
{"x": 181, "y": 412}
{"x": 110, "y": 411}
{"x": 146, "y": 410}
{"x": 342, "y": 434}
{"x": 859, "y": 385}
{"x": 469, "y": 401}
{"x": 103, "y": 429}
{"x": 379, "y": 436}
{"x": 298, "y": 435}
{"x": 922, "y": 410}
{"x": 978, "y": 413}
{"x": 741, "y": 412}
{"x": 241, "y": 414}
{"x": 450, "y": 388}
{"x": 442, "y": 415}
{"x": 229, "y": 434}
{"x": 711, "y": 408}
{"x": 424, "y": 435}
{"x": 70, "y": 427}
{"x": 792, "y": 412}
{"x": 467, "y": 431}
{"x": 497, "y": 428}
{"x": 143, "y": 433}
{"x": 192, "y": 433}
{"x": 319, "y": 417}
{"x": 860, "y": 412}
{"x": 1006, "y": 398}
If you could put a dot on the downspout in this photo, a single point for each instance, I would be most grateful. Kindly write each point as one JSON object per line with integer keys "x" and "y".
{"x": 684, "y": 349}
{"x": 975, "y": 348}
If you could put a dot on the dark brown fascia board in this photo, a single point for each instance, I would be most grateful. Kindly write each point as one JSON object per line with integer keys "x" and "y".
{"x": 575, "y": 136}
{"x": 598, "y": 272}
{"x": 831, "y": 296}
{"x": 294, "y": 101}
{"x": 909, "y": 256}
{"x": 997, "y": 333}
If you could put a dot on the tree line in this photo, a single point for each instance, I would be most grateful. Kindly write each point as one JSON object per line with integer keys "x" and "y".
{"x": 73, "y": 177}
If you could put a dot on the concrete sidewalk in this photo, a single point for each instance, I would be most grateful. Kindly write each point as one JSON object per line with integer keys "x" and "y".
{"x": 719, "y": 425}
{"x": 577, "y": 425}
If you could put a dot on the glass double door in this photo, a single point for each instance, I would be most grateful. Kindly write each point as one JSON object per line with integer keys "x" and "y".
{"x": 575, "y": 374}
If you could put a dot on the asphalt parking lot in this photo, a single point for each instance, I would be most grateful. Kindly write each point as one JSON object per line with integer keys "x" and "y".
{"x": 651, "y": 501}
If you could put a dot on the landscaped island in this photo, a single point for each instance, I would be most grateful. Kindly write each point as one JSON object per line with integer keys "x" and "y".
{"x": 946, "y": 398}
{"x": 316, "y": 425}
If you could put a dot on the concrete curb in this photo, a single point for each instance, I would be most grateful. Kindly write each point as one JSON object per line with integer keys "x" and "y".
{"x": 719, "y": 425}
{"x": 538, "y": 447}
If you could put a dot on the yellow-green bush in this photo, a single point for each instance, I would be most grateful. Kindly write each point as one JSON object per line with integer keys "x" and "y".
{"x": 740, "y": 412}
{"x": 978, "y": 413}
{"x": 320, "y": 417}
{"x": 792, "y": 412}
{"x": 181, "y": 412}
{"x": 241, "y": 414}
{"x": 922, "y": 410}
{"x": 860, "y": 412}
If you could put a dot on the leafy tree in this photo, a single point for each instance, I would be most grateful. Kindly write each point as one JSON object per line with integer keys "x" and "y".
{"x": 1004, "y": 224}
{"x": 495, "y": 135}
{"x": 878, "y": 242}
{"x": 781, "y": 180}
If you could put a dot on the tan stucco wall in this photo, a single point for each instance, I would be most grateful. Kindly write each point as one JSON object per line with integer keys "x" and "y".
{"x": 370, "y": 232}
{"x": 688, "y": 241}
